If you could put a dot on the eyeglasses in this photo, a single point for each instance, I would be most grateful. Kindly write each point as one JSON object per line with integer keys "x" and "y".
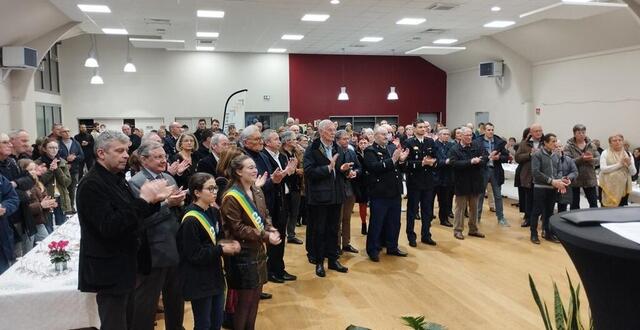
{"x": 213, "y": 189}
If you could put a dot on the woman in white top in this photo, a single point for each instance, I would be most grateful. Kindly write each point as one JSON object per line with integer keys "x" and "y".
{"x": 616, "y": 169}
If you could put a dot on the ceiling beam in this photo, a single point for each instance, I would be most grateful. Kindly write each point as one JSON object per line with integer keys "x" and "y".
{"x": 634, "y": 6}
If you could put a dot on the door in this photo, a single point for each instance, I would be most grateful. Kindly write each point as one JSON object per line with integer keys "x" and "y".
{"x": 431, "y": 117}
{"x": 481, "y": 117}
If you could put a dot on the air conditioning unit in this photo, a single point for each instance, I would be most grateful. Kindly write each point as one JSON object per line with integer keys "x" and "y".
{"x": 19, "y": 58}
{"x": 491, "y": 69}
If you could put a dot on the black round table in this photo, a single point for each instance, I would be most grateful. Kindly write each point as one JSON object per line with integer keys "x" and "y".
{"x": 609, "y": 267}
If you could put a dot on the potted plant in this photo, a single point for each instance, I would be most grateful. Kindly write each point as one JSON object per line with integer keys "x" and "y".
{"x": 58, "y": 255}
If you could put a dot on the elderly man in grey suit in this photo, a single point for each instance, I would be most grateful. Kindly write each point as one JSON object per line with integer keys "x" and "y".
{"x": 158, "y": 256}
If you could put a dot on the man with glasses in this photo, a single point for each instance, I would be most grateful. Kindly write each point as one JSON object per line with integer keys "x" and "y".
{"x": 160, "y": 271}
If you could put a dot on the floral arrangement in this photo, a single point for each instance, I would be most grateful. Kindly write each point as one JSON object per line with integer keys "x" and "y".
{"x": 58, "y": 252}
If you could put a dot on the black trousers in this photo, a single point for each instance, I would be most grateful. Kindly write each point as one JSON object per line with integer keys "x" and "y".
{"x": 528, "y": 201}
{"x": 543, "y": 202}
{"x": 147, "y": 293}
{"x": 424, "y": 199}
{"x": 589, "y": 192}
{"x": 275, "y": 253}
{"x": 445, "y": 201}
{"x": 115, "y": 310}
{"x": 385, "y": 216}
{"x": 325, "y": 220}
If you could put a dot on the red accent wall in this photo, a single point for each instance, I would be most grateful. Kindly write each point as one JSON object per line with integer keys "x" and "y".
{"x": 315, "y": 80}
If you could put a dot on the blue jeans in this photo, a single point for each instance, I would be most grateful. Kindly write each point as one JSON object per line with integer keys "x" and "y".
{"x": 497, "y": 193}
{"x": 424, "y": 198}
{"x": 385, "y": 213}
{"x": 208, "y": 312}
{"x": 59, "y": 213}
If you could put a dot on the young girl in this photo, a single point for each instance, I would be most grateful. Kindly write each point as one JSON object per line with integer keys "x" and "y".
{"x": 201, "y": 253}
{"x": 40, "y": 204}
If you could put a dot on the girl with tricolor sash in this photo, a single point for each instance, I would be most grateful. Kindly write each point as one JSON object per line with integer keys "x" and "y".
{"x": 245, "y": 218}
{"x": 201, "y": 250}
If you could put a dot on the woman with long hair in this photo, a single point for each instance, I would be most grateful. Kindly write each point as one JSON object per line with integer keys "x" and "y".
{"x": 56, "y": 179}
{"x": 245, "y": 218}
{"x": 616, "y": 169}
{"x": 40, "y": 204}
{"x": 186, "y": 145}
{"x": 201, "y": 249}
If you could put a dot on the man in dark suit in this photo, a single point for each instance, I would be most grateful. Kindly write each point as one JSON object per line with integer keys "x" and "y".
{"x": 208, "y": 164}
{"x": 279, "y": 210}
{"x": 385, "y": 191}
{"x": 443, "y": 177}
{"x": 9, "y": 203}
{"x": 493, "y": 173}
{"x": 161, "y": 274}
{"x": 204, "y": 146}
{"x": 468, "y": 160}
{"x": 175, "y": 129}
{"x": 86, "y": 142}
{"x": 135, "y": 139}
{"x": 200, "y": 131}
{"x": 419, "y": 170}
{"x": 110, "y": 216}
{"x": 71, "y": 151}
{"x": 324, "y": 175}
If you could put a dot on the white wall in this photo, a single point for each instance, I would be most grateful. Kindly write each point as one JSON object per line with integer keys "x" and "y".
{"x": 5, "y": 103}
{"x": 601, "y": 91}
{"x": 168, "y": 84}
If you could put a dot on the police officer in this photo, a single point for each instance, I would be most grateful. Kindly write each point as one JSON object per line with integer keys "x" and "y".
{"x": 420, "y": 164}
{"x": 385, "y": 190}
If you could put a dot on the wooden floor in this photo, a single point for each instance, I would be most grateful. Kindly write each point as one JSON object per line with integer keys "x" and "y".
{"x": 469, "y": 284}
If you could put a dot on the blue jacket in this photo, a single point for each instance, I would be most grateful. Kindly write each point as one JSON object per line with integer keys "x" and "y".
{"x": 443, "y": 172}
{"x": 9, "y": 200}
{"x": 76, "y": 149}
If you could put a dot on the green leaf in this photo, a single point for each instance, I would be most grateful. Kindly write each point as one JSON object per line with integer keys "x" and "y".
{"x": 536, "y": 298}
{"x": 416, "y": 323}
{"x": 561, "y": 316}
{"x": 547, "y": 317}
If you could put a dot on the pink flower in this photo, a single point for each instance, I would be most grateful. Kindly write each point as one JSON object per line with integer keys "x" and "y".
{"x": 53, "y": 245}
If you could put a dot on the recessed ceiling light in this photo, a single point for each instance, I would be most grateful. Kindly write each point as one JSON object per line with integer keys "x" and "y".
{"x": 315, "y": 17}
{"x": 496, "y": 8}
{"x": 411, "y": 21}
{"x": 205, "y": 48}
{"x": 292, "y": 37}
{"x": 445, "y": 41}
{"x": 114, "y": 31}
{"x": 499, "y": 24}
{"x": 276, "y": 50}
{"x": 335, "y": 2}
{"x": 210, "y": 13}
{"x": 371, "y": 39}
{"x": 207, "y": 34}
{"x": 94, "y": 8}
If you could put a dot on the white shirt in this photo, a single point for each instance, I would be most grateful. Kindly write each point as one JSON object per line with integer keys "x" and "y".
{"x": 275, "y": 156}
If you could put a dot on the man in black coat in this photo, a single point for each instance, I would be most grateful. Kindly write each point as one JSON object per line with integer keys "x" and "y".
{"x": 468, "y": 160}
{"x": 420, "y": 164}
{"x": 279, "y": 209}
{"x": 86, "y": 142}
{"x": 443, "y": 177}
{"x": 324, "y": 175}
{"x": 110, "y": 216}
{"x": 175, "y": 129}
{"x": 135, "y": 140}
{"x": 209, "y": 163}
{"x": 493, "y": 173}
{"x": 385, "y": 191}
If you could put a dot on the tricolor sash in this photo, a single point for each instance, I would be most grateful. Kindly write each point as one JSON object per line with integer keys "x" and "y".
{"x": 202, "y": 219}
{"x": 247, "y": 205}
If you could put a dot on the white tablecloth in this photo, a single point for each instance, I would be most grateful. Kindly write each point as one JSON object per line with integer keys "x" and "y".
{"x": 33, "y": 296}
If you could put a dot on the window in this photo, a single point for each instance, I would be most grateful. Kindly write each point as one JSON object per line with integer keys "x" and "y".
{"x": 47, "y": 78}
{"x": 360, "y": 122}
{"x": 46, "y": 116}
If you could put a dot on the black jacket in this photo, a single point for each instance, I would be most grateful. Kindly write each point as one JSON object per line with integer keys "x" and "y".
{"x": 109, "y": 217}
{"x": 202, "y": 151}
{"x": 443, "y": 173}
{"x": 264, "y": 165}
{"x": 88, "y": 149}
{"x": 200, "y": 260}
{"x": 419, "y": 176}
{"x": 208, "y": 165}
{"x": 321, "y": 186}
{"x": 498, "y": 145}
{"x": 468, "y": 177}
{"x": 350, "y": 185}
{"x": 384, "y": 177}
{"x": 360, "y": 183}
{"x": 277, "y": 193}
{"x": 135, "y": 143}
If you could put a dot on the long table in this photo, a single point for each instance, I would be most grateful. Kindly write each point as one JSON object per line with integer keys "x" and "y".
{"x": 34, "y": 296}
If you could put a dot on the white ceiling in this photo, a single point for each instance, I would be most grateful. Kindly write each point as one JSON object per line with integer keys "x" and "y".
{"x": 257, "y": 25}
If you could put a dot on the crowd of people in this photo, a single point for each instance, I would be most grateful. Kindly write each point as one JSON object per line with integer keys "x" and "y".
{"x": 205, "y": 216}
